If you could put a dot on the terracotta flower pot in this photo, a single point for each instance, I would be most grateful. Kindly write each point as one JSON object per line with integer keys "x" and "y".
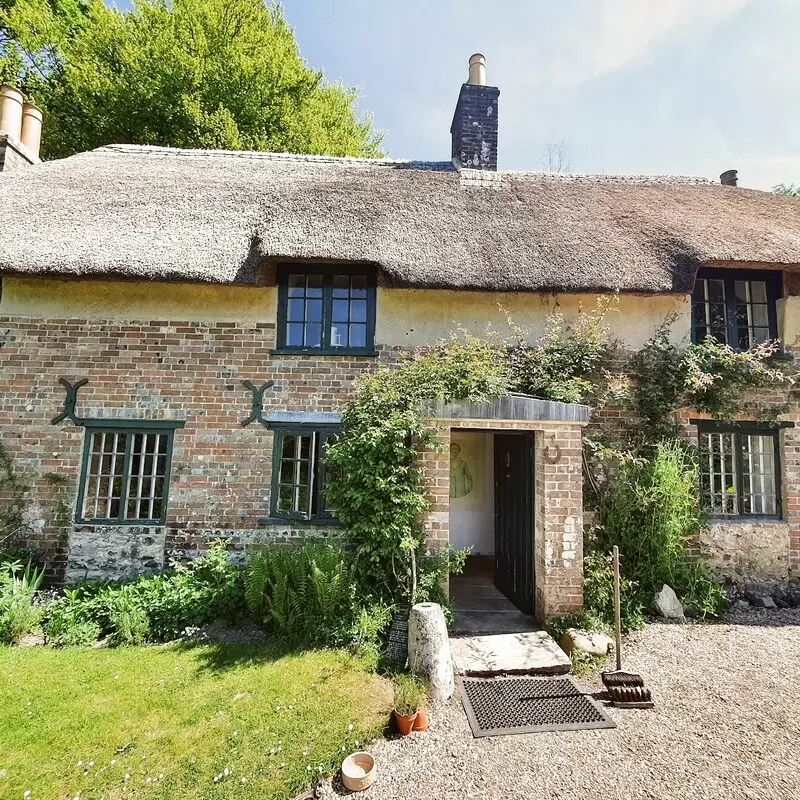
{"x": 421, "y": 722}
{"x": 405, "y": 723}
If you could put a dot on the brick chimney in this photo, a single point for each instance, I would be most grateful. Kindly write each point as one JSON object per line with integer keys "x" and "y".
{"x": 20, "y": 130}
{"x": 474, "y": 128}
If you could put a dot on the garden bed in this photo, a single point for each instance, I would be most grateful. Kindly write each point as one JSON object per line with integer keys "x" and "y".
{"x": 183, "y": 720}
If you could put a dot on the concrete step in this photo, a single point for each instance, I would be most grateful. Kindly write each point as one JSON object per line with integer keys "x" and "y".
{"x": 531, "y": 653}
{"x": 482, "y": 622}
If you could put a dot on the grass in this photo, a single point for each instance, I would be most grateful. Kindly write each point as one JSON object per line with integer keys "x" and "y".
{"x": 163, "y": 722}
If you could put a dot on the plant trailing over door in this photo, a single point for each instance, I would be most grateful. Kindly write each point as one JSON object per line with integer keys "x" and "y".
{"x": 377, "y": 486}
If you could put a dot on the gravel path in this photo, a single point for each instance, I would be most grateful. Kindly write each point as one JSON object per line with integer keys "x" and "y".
{"x": 726, "y": 725}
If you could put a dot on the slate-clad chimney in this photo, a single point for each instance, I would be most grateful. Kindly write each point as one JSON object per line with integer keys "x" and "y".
{"x": 474, "y": 128}
{"x": 729, "y": 178}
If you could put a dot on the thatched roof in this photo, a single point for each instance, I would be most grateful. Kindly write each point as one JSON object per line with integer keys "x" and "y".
{"x": 143, "y": 212}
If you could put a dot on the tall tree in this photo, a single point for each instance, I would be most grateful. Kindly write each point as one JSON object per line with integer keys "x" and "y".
{"x": 184, "y": 73}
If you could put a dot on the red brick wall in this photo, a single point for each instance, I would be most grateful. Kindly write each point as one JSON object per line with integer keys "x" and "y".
{"x": 221, "y": 472}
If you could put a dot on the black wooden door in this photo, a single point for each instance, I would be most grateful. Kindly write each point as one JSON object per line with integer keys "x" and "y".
{"x": 513, "y": 518}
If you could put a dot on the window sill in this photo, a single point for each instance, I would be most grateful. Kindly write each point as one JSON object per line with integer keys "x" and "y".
{"x": 319, "y": 351}
{"x": 265, "y": 522}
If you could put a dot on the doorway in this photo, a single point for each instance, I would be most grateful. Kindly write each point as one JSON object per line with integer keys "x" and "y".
{"x": 491, "y": 512}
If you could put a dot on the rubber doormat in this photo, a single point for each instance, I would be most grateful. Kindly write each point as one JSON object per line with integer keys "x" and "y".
{"x": 506, "y": 705}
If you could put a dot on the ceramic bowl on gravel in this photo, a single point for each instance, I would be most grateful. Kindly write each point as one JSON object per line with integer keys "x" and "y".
{"x": 358, "y": 771}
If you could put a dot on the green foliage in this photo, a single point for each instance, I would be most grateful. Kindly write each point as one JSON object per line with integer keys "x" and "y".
{"x": 788, "y": 190}
{"x": 153, "y": 607}
{"x": 19, "y": 610}
{"x": 650, "y": 509}
{"x": 376, "y": 483}
{"x": 305, "y": 593}
{"x": 308, "y": 596}
{"x": 128, "y": 619}
{"x": 717, "y": 376}
{"x": 566, "y": 362}
{"x": 708, "y": 376}
{"x": 187, "y": 73}
{"x": 410, "y": 694}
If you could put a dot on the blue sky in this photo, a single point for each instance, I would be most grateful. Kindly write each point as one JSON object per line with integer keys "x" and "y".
{"x": 641, "y": 86}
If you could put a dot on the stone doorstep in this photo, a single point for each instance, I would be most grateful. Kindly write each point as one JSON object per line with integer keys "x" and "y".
{"x": 531, "y": 653}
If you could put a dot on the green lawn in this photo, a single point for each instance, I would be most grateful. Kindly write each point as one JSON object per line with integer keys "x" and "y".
{"x": 164, "y": 721}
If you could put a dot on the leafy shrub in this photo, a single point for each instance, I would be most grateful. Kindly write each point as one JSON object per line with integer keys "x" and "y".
{"x": 305, "y": 592}
{"x": 708, "y": 375}
{"x": 410, "y": 694}
{"x": 308, "y": 595}
{"x": 651, "y": 510}
{"x": 153, "y": 607}
{"x": 565, "y": 362}
{"x": 130, "y": 624}
{"x": 19, "y": 611}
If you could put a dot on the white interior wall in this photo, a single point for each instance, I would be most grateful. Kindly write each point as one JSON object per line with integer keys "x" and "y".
{"x": 472, "y": 512}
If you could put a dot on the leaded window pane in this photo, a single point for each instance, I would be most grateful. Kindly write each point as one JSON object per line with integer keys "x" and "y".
{"x": 738, "y": 473}
{"x": 298, "y": 482}
{"x": 733, "y": 310}
{"x": 322, "y": 309}
{"x": 125, "y": 476}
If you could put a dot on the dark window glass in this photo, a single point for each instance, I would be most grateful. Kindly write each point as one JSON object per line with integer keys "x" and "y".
{"x": 739, "y": 471}
{"x": 735, "y": 309}
{"x": 298, "y": 484}
{"x": 326, "y": 310}
{"x": 125, "y": 475}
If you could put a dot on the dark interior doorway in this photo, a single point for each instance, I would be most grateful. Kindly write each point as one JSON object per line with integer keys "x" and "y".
{"x": 513, "y": 515}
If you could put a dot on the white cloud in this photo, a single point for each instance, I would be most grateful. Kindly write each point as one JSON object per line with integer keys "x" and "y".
{"x": 605, "y": 36}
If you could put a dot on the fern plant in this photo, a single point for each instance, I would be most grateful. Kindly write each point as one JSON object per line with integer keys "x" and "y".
{"x": 304, "y": 593}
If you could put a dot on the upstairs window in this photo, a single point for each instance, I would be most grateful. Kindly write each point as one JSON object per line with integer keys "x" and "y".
{"x": 739, "y": 470}
{"x": 126, "y": 471}
{"x": 298, "y": 472}
{"x": 736, "y": 307}
{"x": 326, "y": 310}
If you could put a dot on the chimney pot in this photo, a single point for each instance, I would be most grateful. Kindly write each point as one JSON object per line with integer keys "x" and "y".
{"x": 477, "y": 70}
{"x": 31, "y": 128}
{"x": 729, "y": 178}
{"x": 11, "y": 111}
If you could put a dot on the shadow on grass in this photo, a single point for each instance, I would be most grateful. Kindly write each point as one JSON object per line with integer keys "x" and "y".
{"x": 218, "y": 657}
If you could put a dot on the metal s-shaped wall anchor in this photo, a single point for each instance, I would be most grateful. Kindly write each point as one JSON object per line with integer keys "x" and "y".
{"x": 256, "y": 415}
{"x": 69, "y": 401}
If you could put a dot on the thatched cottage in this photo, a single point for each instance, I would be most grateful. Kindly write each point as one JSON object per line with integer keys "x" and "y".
{"x": 181, "y": 328}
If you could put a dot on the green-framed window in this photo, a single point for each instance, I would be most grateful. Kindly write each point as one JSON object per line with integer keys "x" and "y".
{"x": 326, "y": 309}
{"x": 298, "y": 472}
{"x": 125, "y": 472}
{"x": 740, "y": 469}
{"x": 736, "y": 307}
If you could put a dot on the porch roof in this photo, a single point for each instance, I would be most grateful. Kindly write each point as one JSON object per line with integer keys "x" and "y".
{"x": 513, "y": 408}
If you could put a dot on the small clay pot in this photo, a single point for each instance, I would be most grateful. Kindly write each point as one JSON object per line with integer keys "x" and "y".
{"x": 358, "y": 771}
{"x": 421, "y": 722}
{"x": 405, "y": 723}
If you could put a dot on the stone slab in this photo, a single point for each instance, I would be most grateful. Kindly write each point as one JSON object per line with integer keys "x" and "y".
{"x": 531, "y": 653}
